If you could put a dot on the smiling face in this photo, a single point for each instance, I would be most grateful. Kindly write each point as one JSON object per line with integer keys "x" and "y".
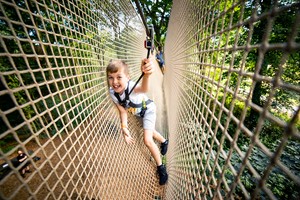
{"x": 117, "y": 75}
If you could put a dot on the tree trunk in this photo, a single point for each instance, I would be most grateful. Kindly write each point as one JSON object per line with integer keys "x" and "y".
{"x": 258, "y": 36}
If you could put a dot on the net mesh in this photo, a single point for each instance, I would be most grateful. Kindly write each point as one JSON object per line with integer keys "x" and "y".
{"x": 219, "y": 55}
{"x": 55, "y": 104}
{"x": 230, "y": 130}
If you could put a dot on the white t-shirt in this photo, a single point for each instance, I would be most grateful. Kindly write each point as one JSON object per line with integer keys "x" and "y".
{"x": 136, "y": 98}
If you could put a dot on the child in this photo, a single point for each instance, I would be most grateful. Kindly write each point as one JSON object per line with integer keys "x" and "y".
{"x": 138, "y": 104}
{"x": 22, "y": 158}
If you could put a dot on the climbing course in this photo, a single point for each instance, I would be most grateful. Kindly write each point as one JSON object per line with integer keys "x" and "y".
{"x": 228, "y": 101}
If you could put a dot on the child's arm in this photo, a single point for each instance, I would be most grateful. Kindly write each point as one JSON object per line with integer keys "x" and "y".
{"x": 147, "y": 68}
{"x": 21, "y": 160}
{"x": 124, "y": 124}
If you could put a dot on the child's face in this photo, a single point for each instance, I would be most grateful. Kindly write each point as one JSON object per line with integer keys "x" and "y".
{"x": 118, "y": 81}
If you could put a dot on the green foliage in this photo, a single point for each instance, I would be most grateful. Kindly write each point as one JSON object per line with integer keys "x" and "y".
{"x": 283, "y": 106}
{"x": 157, "y": 13}
{"x": 281, "y": 186}
{"x": 278, "y": 182}
{"x": 54, "y": 74}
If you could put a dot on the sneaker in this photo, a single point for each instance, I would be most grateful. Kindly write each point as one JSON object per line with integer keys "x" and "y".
{"x": 164, "y": 147}
{"x": 162, "y": 173}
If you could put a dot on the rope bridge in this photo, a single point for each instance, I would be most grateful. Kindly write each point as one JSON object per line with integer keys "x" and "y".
{"x": 55, "y": 104}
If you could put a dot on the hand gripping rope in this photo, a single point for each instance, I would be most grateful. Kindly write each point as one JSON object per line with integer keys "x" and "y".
{"x": 149, "y": 45}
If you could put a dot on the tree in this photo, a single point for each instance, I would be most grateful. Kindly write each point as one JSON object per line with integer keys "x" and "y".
{"x": 157, "y": 13}
{"x": 271, "y": 60}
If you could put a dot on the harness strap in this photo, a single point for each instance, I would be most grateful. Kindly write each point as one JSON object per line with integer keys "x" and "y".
{"x": 140, "y": 104}
{"x": 126, "y": 101}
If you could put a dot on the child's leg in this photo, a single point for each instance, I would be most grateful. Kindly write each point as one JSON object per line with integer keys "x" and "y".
{"x": 149, "y": 142}
{"x": 157, "y": 136}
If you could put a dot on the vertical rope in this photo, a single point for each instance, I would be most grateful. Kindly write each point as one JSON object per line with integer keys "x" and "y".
{"x": 138, "y": 6}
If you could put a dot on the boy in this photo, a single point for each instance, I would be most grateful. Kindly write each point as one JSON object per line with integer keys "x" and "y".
{"x": 138, "y": 104}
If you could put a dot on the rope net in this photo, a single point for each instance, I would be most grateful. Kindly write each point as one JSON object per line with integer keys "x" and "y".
{"x": 55, "y": 105}
{"x": 233, "y": 132}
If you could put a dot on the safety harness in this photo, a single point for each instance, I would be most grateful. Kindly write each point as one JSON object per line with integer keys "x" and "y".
{"x": 149, "y": 45}
{"x": 127, "y": 103}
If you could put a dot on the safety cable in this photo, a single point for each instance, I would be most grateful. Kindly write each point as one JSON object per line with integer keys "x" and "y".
{"x": 149, "y": 44}
{"x": 142, "y": 16}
